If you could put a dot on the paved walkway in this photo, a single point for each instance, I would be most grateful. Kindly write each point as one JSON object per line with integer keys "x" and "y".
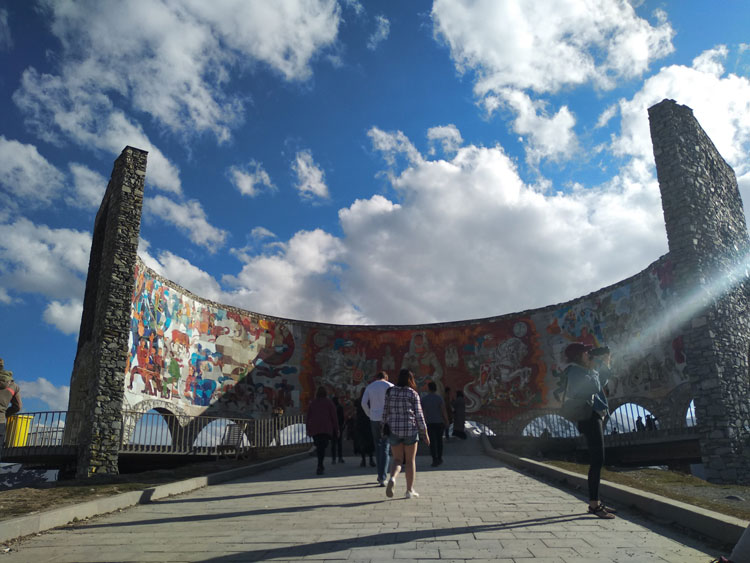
{"x": 470, "y": 508}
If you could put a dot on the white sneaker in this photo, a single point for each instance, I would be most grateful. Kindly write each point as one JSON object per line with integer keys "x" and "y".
{"x": 412, "y": 494}
{"x": 389, "y": 488}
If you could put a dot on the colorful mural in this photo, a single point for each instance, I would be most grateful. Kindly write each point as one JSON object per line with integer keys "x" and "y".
{"x": 200, "y": 357}
{"x": 193, "y": 355}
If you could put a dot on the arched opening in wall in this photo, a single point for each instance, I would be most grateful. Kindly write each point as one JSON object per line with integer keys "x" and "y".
{"x": 631, "y": 417}
{"x": 219, "y": 432}
{"x": 690, "y": 420}
{"x": 151, "y": 429}
{"x": 550, "y": 426}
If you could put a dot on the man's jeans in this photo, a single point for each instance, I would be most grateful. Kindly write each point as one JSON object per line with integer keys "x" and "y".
{"x": 381, "y": 449}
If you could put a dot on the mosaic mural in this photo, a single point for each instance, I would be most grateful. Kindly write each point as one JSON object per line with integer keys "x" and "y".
{"x": 200, "y": 357}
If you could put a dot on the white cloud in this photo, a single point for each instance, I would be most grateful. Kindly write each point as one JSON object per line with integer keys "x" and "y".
{"x": 393, "y": 145}
{"x": 89, "y": 187}
{"x": 55, "y": 396}
{"x": 6, "y": 40}
{"x": 39, "y": 259}
{"x": 310, "y": 178}
{"x": 469, "y": 232}
{"x": 519, "y": 50}
{"x": 548, "y": 137}
{"x": 547, "y": 44}
{"x": 259, "y": 233}
{"x": 250, "y": 180}
{"x": 720, "y": 102}
{"x": 354, "y": 5}
{"x": 382, "y": 30}
{"x": 66, "y": 317}
{"x": 468, "y": 238}
{"x": 189, "y": 217}
{"x": 297, "y": 281}
{"x": 73, "y": 107}
{"x": 174, "y": 65}
{"x": 27, "y": 175}
{"x": 447, "y": 135}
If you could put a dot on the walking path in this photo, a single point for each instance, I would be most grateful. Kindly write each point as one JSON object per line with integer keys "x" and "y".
{"x": 471, "y": 508}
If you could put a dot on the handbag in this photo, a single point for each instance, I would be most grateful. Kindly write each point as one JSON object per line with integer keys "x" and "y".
{"x": 386, "y": 429}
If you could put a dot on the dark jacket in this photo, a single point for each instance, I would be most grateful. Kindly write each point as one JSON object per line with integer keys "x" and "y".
{"x": 321, "y": 418}
{"x": 10, "y": 398}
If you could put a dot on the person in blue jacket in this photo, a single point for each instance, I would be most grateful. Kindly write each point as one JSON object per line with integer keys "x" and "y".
{"x": 585, "y": 388}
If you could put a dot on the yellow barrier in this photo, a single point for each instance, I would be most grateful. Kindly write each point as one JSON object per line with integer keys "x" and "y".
{"x": 17, "y": 430}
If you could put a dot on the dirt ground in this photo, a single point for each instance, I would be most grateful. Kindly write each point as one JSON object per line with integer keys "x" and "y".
{"x": 733, "y": 500}
{"x": 46, "y": 496}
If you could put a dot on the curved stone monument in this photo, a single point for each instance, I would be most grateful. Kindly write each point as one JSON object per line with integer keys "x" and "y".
{"x": 678, "y": 330}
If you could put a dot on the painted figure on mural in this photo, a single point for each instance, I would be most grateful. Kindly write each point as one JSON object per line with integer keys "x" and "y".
{"x": 502, "y": 378}
{"x": 423, "y": 362}
{"x": 451, "y": 356}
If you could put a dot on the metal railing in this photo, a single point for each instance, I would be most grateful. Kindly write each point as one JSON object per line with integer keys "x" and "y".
{"x": 37, "y": 429}
{"x": 43, "y": 433}
{"x": 168, "y": 433}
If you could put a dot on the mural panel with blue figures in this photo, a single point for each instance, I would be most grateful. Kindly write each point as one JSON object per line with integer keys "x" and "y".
{"x": 647, "y": 355}
{"x": 205, "y": 359}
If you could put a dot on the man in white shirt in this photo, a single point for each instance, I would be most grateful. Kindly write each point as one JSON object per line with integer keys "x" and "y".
{"x": 373, "y": 402}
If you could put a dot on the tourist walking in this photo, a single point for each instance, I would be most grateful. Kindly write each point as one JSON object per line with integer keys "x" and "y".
{"x": 337, "y": 443}
{"x": 372, "y": 402}
{"x": 436, "y": 416}
{"x": 322, "y": 424}
{"x": 10, "y": 400}
{"x": 363, "y": 442}
{"x": 403, "y": 423}
{"x": 459, "y": 415}
{"x": 586, "y": 404}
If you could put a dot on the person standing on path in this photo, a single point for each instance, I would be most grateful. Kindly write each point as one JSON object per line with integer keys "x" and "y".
{"x": 403, "y": 414}
{"x": 585, "y": 391}
{"x": 459, "y": 415}
{"x": 363, "y": 442}
{"x": 436, "y": 416}
{"x": 373, "y": 401}
{"x": 449, "y": 410}
{"x": 10, "y": 400}
{"x": 322, "y": 424}
{"x": 337, "y": 444}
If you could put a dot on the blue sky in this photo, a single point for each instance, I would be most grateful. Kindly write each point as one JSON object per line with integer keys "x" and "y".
{"x": 350, "y": 162}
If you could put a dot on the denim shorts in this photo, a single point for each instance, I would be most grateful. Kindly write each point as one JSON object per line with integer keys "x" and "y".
{"x": 405, "y": 440}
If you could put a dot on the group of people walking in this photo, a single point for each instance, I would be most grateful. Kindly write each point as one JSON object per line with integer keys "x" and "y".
{"x": 390, "y": 421}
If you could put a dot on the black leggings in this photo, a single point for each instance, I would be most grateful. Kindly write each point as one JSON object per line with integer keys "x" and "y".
{"x": 593, "y": 430}
{"x": 321, "y": 443}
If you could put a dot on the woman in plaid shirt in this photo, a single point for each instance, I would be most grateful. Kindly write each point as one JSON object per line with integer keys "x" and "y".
{"x": 403, "y": 415}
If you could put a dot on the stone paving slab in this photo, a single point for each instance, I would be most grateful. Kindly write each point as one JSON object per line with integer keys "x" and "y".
{"x": 472, "y": 508}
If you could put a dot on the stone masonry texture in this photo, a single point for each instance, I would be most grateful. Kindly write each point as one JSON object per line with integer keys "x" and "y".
{"x": 96, "y": 389}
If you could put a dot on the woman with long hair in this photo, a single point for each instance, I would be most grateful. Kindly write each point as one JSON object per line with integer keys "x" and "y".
{"x": 322, "y": 424}
{"x": 405, "y": 423}
{"x": 587, "y": 403}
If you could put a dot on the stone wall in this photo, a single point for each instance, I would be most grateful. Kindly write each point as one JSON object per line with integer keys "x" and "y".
{"x": 96, "y": 389}
{"x": 708, "y": 243}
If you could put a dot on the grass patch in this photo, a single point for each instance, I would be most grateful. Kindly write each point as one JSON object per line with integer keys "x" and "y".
{"x": 676, "y": 486}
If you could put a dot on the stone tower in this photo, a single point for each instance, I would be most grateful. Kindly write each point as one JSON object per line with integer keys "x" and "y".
{"x": 96, "y": 388}
{"x": 708, "y": 244}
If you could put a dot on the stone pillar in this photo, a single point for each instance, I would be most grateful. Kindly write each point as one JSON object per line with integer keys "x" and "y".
{"x": 97, "y": 383}
{"x": 708, "y": 243}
